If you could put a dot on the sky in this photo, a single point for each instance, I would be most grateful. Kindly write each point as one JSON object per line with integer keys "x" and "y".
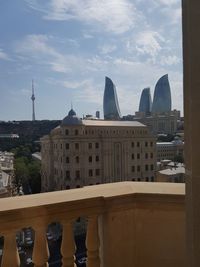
{"x": 69, "y": 46}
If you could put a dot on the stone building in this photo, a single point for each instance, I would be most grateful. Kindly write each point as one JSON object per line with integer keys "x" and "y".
{"x": 160, "y": 123}
{"x": 170, "y": 150}
{"x": 87, "y": 152}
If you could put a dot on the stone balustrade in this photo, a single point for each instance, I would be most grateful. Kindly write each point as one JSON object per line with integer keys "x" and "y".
{"x": 130, "y": 224}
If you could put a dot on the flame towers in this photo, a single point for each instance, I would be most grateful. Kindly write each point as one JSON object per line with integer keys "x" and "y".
{"x": 162, "y": 96}
{"x": 110, "y": 101}
{"x": 145, "y": 101}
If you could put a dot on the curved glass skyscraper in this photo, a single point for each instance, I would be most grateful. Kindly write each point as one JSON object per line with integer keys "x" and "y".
{"x": 110, "y": 101}
{"x": 162, "y": 96}
{"x": 145, "y": 101}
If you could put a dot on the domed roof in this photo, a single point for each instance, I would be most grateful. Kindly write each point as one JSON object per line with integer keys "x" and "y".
{"x": 71, "y": 119}
{"x": 72, "y": 113}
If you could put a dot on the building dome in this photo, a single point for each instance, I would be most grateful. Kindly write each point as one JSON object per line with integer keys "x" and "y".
{"x": 72, "y": 113}
{"x": 71, "y": 119}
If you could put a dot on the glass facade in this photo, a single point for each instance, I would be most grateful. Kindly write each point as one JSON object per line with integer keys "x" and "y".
{"x": 145, "y": 101}
{"x": 162, "y": 96}
{"x": 110, "y": 101}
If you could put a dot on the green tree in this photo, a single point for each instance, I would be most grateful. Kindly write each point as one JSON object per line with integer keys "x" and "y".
{"x": 21, "y": 172}
{"x": 34, "y": 176}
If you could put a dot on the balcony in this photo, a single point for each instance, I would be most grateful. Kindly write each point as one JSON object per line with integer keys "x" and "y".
{"x": 130, "y": 224}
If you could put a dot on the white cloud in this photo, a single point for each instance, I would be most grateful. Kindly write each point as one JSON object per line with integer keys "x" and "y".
{"x": 87, "y": 36}
{"x": 173, "y": 14}
{"x": 117, "y": 16}
{"x": 36, "y": 44}
{"x": 107, "y": 48}
{"x": 76, "y": 84}
{"x": 89, "y": 93}
{"x": 169, "y": 2}
{"x": 3, "y": 55}
{"x": 169, "y": 60}
{"x": 149, "y": 43}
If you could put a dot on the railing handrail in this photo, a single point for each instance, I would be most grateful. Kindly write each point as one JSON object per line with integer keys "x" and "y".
{"x": 24, "y": 211}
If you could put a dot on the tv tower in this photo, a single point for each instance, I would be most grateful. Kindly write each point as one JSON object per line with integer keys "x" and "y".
{"x": 33, "y": 102}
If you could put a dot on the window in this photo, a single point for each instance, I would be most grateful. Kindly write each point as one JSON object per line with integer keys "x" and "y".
{"x": 61, "y": 159}
{"x": 133, "y": 168}
{"x": 90, "y": 145}
{"x": 68, "y": 175}
{"x": 97, "y": 172}
{"x": 138, "y": 156}
{"x": 133, "y": 156}
{"x": 138, "y": 144}
{"x": 146, "y": 167}
{"x": 151, "y": 167}
{"x": 61, "y": 146}
{"x": 151, "y": 144}
{"x": 90, "y": 173}
{"x": 76, "y": 132}
{"x": 77, "y": 146}
{"x": 67, "y": 159}
{"x": 146, "y": 144}
{"x": 77, "y": 159}
{"x": 132, "y": 144}
{"x": 151, "y": 155}
{"x": 96, "y": 145}
{"x": 138, "y": 168}
{"x": 67, "y": 145}
{"x": 90, "y": 159}
{"x": 97, "y": 158}
{"x": 152, "y": 178}
{"x": 146, "y": 155}
{"x": 77, "y": 174}
{"x": 66, "y": 132}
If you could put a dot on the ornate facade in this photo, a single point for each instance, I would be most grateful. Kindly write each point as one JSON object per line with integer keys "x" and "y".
{"x": 87, "y": 152}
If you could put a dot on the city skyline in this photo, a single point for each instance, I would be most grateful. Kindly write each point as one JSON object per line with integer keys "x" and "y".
{"x": 68, "y": 49}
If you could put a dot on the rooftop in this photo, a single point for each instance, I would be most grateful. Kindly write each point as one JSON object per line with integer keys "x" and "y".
{"x": 112, "y": 123}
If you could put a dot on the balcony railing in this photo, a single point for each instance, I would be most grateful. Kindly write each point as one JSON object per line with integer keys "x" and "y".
{"x": 130, "y": 224}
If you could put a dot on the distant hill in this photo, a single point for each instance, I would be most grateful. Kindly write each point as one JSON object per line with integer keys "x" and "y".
{"x": 33, "y": 129}
{"x": 28, "y": 131}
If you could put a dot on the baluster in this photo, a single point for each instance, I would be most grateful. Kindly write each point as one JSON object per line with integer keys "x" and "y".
{"x": 10, "y": 253}
{"x": 40, "y": 250}
{"x": 68, "y": 246}
{"x": 92, "y": 242}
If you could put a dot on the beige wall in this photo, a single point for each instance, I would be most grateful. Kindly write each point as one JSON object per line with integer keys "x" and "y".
{"x": 150, "y": 235}
{"x": 120, "y": 151}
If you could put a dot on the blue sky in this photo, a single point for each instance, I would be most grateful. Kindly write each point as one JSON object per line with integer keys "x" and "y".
{"x": 69, "y": 46}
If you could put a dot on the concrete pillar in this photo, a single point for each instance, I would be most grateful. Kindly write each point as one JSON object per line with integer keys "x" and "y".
{"x": 191, "y": 58}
